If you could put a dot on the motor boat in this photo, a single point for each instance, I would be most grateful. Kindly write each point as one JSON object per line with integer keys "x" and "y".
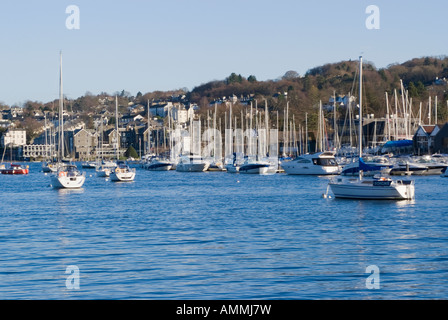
{"x": 15, "y": 169}
{"x": 253, "y": 166}
{"x": 323, "y": 163}
{"x": 158, "y": 164}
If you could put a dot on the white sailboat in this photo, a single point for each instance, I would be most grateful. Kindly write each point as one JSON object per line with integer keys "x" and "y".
{"x": 378, "y": 188}
{"x": 49, "y": 165}
{"x": 67, "y": 175}
{"x": 193, "y": 161}
{"x": 122, "y": 172}
{"x": 256, "y": 161}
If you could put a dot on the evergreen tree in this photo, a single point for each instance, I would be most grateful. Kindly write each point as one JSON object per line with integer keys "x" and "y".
{"x": 252, "y": 78}
{"x": 131, "y": 153}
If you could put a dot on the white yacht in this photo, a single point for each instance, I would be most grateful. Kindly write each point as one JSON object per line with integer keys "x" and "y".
{"x": 158, "y": 164}
{"x": 253, "y": 166}
{"x": 406, "y": 167}
{"x": 322, "y": 163}
{"x": 373, "y": 189}
{"x": 191, "y": 163}
{"x": 379, "y": 188}
{"x": 67, "y": 176}
{"x": 122, "y": 172}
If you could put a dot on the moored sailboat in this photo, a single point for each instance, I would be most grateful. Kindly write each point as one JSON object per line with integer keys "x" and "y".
{"x": 67, "y": 175}
{"x": 379, "y": 188}
{"x": 122, "y": 172}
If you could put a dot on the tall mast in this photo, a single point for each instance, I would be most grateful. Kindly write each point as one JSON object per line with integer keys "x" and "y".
{"x": 435, "y": 111}
{"x": 396, "y": 114}
{"x": 360, "y": 106}
{"x": 116, "y": 128}
{"x": 321, "y": 131}
{"x": 149, "y": 130}
{"x": 61, "y": 111}
{"x": 335, "y": 138}
{"x": 306, "y": 133}
{"x": 420, "y": 114}
{"x": 387, "y": 118}
{"x": 266, "y": 119}
{"x": 405, "y": 111}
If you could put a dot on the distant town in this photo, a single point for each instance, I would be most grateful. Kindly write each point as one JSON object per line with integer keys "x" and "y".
{"x": 311, "y": 112}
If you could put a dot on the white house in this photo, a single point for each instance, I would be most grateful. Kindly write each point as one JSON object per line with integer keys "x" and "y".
{"x": 179, "y": 114}
{"x": 16, "y": 137}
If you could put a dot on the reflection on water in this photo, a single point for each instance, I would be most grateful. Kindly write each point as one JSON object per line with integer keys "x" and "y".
{"x": 63, "y": 191}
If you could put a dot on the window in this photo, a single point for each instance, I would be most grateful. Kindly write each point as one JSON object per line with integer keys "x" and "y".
{"x": 325, "y": 162}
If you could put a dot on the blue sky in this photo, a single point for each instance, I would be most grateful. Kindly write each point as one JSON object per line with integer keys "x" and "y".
{"x": 162, "y": 45}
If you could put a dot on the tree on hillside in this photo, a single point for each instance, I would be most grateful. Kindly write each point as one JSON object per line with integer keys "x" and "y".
{"x": 131, "y": 153}
{"x": 291, "y": 74}
{"x": 234, "y": 78}
{"x": 252, "y": 78}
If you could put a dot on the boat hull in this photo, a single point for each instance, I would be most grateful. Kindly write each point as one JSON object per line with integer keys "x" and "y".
{"x": 254, "y": 169}
{"x": 191, "y": 167}
{"x": 14, "y": 169}
{"x": 67, "y": 182}
{"x": 122, "y": 176}
{"x": 159, "y": 166}
{"x": 368, "y": 191}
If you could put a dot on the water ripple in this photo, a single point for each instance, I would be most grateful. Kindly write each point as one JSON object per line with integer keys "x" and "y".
{"x": 172, "y": 235}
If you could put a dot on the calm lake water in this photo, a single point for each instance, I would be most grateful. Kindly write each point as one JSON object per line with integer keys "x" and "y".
{"x": 173, "y": 235}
